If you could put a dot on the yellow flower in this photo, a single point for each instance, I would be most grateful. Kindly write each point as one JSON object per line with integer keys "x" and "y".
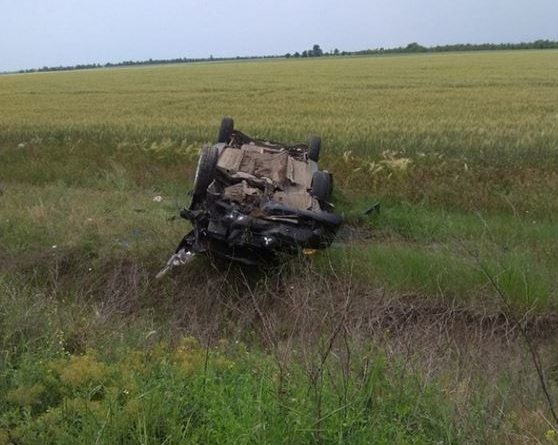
{"x": 189, "y": 356}
{"x": 551, "y": 436}
{"x": 26, "y": 396}
{"x": 81, "y": 370}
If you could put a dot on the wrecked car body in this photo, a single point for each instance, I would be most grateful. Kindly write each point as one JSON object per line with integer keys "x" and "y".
{"x": 255, "y": 199}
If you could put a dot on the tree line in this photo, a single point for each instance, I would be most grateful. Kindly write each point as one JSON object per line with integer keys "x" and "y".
{"x": 316, "y": 51}
{"x": 417, "y": 48}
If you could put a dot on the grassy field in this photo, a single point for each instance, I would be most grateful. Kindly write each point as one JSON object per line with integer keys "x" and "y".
{"x": 394, "y": 335}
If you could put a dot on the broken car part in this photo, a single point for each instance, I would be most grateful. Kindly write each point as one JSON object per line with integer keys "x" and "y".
{"x": 254, "y": 199}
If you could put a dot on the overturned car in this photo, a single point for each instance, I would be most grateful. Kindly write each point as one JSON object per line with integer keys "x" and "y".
{"x": 254, "y": 199}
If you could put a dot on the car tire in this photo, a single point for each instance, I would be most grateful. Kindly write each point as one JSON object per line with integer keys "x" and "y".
{"x": 226, "y": 130}
{"x": 322, "y": 186}
{"x": 314, "y": 146}
{"x": 205, "y": 171}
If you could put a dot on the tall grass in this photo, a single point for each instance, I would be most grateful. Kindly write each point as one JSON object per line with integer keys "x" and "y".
{"x": 392, "y": 336}
{"x": 187, "y": 394}
{"x": 90, "y": 373}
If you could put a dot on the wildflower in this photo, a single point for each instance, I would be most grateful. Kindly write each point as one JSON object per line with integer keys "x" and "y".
{"x": 26, "y": 396}
{"x": 80, "y": 370}
{"x": 551, "y": 436}
{"x": 186, "y": 360}
{"x": 223, "y": 363}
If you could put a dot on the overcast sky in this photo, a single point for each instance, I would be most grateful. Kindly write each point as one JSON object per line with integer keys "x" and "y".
{"x": 34, "y": 33}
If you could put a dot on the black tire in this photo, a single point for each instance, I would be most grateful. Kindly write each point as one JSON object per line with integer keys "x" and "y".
{"x": 322, "y": 186}
{"x": 205, "y": 171}
{"x": 226, "y": 129}
{"x": 314, "y": 146}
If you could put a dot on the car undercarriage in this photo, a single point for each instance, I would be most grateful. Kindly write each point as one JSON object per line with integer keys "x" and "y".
{"x": 254, "y": 199}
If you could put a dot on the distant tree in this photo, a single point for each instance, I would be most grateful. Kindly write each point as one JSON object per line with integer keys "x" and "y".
{"x": 297, "y": 54}
{"x": 304, "y": 53}
{"x": 336, "y": 52}
{"x": 414, "y": 47}
{"x": 288, "y": 55}
{"x": 316, "y": 51}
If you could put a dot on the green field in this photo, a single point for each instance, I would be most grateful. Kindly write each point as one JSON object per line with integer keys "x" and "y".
{"x": 394, "y": 335}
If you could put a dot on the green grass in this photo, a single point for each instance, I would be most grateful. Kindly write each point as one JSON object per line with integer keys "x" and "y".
{"x": 460, "y": 149}
{"x": 68, "y": 376}
{"x": 179, "y": 395}
{"x": 446, "y": 272}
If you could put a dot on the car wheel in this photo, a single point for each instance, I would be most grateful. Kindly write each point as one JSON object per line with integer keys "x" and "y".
{"x": 315, "y": 145}
{"x": 205, "y": 170}
{"x": 322, "y": 186}
{"x": 226, "y": 129}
